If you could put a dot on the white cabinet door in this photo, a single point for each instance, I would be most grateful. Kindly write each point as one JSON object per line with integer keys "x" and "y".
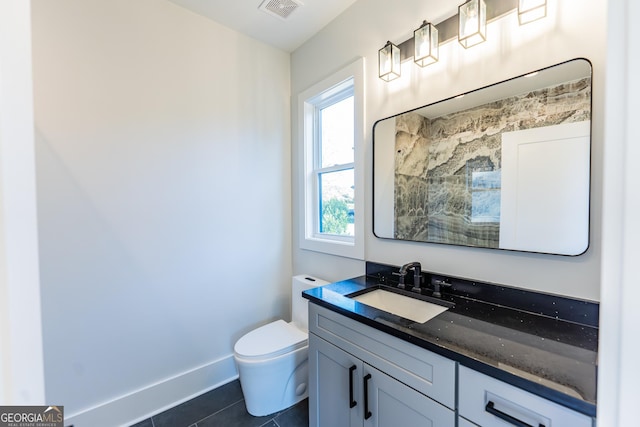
{"x": 335, "y": 386}
{"x": 389, "y": 403}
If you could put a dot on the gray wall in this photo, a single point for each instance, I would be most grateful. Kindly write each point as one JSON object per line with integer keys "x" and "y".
{"x": 568, "y": 32}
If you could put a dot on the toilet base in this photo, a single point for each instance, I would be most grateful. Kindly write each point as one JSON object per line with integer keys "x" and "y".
{"x": 275, "y": 384}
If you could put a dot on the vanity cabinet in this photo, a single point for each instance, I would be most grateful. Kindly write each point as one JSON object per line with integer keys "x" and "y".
{"x": 360, "y": 376}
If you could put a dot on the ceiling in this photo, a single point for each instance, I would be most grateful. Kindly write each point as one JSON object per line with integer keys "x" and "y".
{"x": 287, "y": 34}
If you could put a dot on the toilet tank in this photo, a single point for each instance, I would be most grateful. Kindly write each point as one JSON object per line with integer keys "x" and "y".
{"x": 299, "y": 305}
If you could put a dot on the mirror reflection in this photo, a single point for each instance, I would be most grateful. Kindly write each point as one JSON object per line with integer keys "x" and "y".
{"x": 506, "y": 166}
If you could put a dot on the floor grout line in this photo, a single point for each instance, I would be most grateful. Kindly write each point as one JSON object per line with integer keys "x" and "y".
{"x": 217, "y": 412}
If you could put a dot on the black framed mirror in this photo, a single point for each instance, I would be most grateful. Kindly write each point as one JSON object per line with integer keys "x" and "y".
{"x": 505, "y": 166}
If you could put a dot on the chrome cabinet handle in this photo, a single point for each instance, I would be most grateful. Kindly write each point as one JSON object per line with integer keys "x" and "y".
{"x": 490, "y": 408}
{"x": 367, "y": 412}
{"x": 352, "y": 402}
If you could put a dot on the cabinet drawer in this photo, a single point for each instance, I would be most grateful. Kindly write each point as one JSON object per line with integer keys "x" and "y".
{"x": 490, "y": 402}
{"x": 423, "y": 370}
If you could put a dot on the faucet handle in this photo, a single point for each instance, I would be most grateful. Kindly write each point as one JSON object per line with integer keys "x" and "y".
{"x": 437, "y": 284}
{"x": 400, "y": 273}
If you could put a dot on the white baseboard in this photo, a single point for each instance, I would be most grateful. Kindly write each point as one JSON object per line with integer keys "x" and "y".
{"x": 151, "y": 400}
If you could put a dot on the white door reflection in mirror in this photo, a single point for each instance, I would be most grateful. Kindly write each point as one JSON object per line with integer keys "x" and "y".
{"x": 545, "y": 189}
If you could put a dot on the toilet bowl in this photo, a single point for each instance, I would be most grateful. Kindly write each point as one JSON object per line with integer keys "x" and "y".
{"x": 272, "y": 359}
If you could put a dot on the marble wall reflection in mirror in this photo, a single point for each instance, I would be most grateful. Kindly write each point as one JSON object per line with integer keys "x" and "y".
{"x": 506, "y": 166}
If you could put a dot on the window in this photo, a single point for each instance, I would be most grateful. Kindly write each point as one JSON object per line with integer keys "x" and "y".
{"x": 485, "y": 196}
{"x": 333, "y": 165}
{"x": 331, "y": 130}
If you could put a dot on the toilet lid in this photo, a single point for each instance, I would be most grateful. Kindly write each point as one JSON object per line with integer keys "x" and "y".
{"x": 271, "y": 340}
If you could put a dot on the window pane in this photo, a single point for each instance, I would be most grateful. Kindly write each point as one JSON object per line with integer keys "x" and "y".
{"x": 337, "y": 133}
{"x": 485, "y": 196}
{"x": 336, "y": 202}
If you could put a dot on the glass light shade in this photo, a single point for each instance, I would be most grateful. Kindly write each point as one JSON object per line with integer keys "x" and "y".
{"x": 472, "y": 25}
{"x": 531, "y": 10}
{"x": 389, "y": 62}
{"x": 425, "y": 41}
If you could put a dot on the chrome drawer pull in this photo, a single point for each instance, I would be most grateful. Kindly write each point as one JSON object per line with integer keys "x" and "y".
{"x": 506, "y": 417}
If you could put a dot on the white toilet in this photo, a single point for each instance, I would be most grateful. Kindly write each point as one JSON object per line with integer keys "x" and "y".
{"x": 272, "y": 359}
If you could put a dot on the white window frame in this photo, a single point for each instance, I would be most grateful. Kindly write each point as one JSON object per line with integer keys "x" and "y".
{"x": 352, "y": 76}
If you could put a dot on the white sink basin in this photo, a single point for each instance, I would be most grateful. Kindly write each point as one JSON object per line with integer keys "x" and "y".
{"x": 410, "y": 308}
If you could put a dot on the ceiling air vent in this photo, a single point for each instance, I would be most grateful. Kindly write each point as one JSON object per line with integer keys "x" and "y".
{"x": 280, "y": 8}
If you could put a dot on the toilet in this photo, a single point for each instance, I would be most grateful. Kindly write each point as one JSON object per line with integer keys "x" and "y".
{"x": 272, "y": 359}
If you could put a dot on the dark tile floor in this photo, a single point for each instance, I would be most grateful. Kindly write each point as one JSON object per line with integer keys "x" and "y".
{"x": 224, "y": 407}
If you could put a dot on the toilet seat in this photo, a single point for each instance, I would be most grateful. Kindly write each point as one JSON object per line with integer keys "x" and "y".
{"x": 271, "y": 340}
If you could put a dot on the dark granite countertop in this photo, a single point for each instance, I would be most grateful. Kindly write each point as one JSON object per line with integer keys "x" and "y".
{"x": 552, "y": 355}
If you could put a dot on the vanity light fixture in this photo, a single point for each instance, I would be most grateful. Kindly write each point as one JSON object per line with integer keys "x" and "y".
{"x": 425, "y": 41}
{"x": 389, "y": 62}
{"x": 472, "y": 23}
{"x": 531, "y": 10}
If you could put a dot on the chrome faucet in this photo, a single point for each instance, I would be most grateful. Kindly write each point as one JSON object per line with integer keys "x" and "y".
{"x": 417, "y": 276}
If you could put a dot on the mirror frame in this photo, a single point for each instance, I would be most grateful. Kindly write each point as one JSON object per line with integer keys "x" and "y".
{"x": 589, "y": 186}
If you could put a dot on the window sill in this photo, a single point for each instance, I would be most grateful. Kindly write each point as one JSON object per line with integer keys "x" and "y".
{"x": 341, "y": 247}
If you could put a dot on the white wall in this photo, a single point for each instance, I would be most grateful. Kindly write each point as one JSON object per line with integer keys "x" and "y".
{"x": 618, "y": 368}
{"x": 568, "y": 32}
{"x": 163, "y": 155}
{"x": 21, "y": 365}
